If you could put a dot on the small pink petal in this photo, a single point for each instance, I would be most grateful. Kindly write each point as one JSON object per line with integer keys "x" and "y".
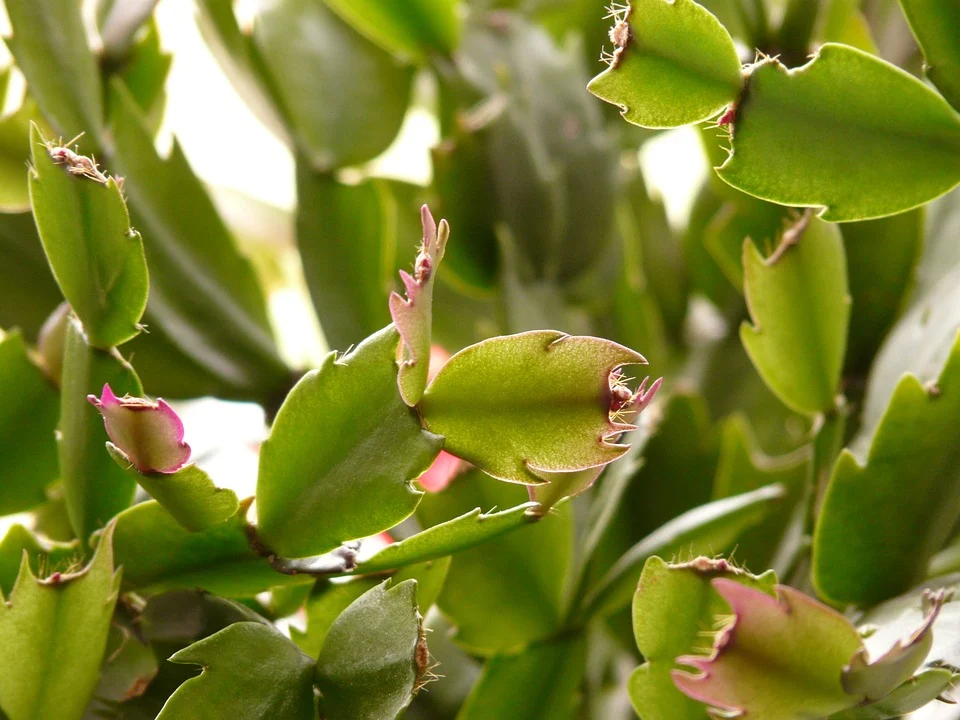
{"x": 438, "y": 358}
{"x": 149, "y": 433}
{"x": 444, "y": 468}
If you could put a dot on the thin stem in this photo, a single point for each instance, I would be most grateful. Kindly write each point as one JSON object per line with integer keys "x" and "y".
{"x": 336, "y": 562}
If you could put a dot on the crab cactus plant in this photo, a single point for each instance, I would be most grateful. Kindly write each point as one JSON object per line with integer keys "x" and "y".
{"x": 468, "y": 499}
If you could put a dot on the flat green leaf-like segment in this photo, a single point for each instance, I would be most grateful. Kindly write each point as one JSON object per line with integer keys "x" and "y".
{"x": 541, "y": 683}
{"x": 883, "y": 519}
{"x": 344, "y": 98}
{"x": 412, "y": 28}
{"x": 373, "y": 655}
{"x": 28, "y": 419}
{"x": 782, "y": 657}
{"x": 54, "y": 556}
{"x": 461, "y": 533}
{"x": 847, "y": 132}
{"x": 249, "y": 671}
{"x": 204, "y": 295}
{"x": 673, "y": 64}
{"x": 188, "y": 494}
{"x": 800, "y": 308}
{"x": 936, "y": 25}
{"x": 54, "y": 633}
{"x": 674, "y": 611}
{"x": 535, "y": 401}
{"x": 96, "y": 257}
{"x": 413, "y": 315}
{"x": 160, "y": 554}
{"x": 916, "y": 692}
{"x": 708, "y": 529}
{"x": 342, "y": 454}
{"x": 328, "y": 600}
{"x": 49, "y": 44}
{"x": 347, "y": 237}
{"x": 523, "y": 574}
{"x": 95, "y": 489}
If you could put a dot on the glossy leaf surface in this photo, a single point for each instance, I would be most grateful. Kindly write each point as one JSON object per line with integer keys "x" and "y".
{"x": 342, "y": 454}
{"x": 534, "y": 401}
{"x": 846, "y": 132}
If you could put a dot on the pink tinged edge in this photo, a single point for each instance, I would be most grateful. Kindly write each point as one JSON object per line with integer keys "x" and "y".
{"x": 113, "y": 410}
{"x": 708, "y": 686}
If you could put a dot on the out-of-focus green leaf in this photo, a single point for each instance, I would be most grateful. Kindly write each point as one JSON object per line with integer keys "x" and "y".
{"x": 744, "y": 468}
{"x": 674, "y": 606}
{"x": 52, "y": 556}
{"x": 522, "y": 574}
{"x": 54, "y": 633}
{"x": 940, "y": 252}
{"x": 344, "y": 97}
{"x": 374, "y": 655}
{"x": 450, "y": 537}
{"x": 128, "y": 668}
{"x": 118, "y": 22}
{"x": 782, "y": 657}
{"x": 936, "y": 25}
{"x": 800, "y": 308}
{"x": 886, "y": 513}
{"x": 550, "y": 158}
{"x": 347, "y": 238}
{"x": 413, "y": 28}
{"x": 188, "y": 494}
{"x": 250, "y": 670}
{"x": 144, "y": 73}
{"x": 534, "y": 401}
{"x": 541, "y": 683}
{"x": 28, "y": 292}
{"x": 241, "y": 62}
{"x": 341, "y": 455}
{"x": 710, "y": 529}
{"x": 204, "y": 295}
{"x": 739, "y": 219}
{"x": 466, "y": 197}
{"x": 923, "y": 688}
{"x": 28, "y": 419}
{"x": 673, "y": 63}
{"x": 14, "y": 153}
{"x": 882, "y": 257}
{"x": 798, "y": 133}
{"x": 49, "y": 44}
{"x": 159, "y": 554}
{"x": 95, "y": 488}
{"x": 96, "y": 257}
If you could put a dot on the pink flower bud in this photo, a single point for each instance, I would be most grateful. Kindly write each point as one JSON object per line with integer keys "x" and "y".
{"x": 148, "y": 432}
